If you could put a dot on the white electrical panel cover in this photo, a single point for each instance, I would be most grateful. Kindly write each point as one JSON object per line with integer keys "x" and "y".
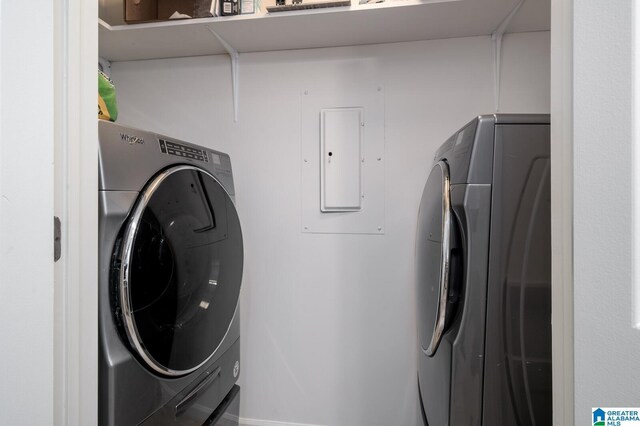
{"x": 342, "y": 159}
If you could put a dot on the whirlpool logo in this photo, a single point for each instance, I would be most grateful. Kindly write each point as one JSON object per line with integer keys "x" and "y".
{"x": 131, "y": 139}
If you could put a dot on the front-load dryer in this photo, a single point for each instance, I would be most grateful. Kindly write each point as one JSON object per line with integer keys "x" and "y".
{"x": 483, "y": 276}
{"x": 170, "y": 262}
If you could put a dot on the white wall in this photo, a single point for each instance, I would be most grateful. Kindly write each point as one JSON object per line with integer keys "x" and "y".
{"x": 328, "y": 333}
{"x": 26, "y": 213}
{"x": 606, "y": 344}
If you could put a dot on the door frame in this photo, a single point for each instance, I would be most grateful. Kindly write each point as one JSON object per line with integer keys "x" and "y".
{"x": 562, "y": 188}
{"x": 75, "y": 355}
{"x": 562, "y": 210}
{"x": 76, "y": 180}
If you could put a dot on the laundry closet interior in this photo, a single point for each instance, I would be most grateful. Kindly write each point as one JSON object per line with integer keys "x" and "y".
{"x": 327, "y": 306}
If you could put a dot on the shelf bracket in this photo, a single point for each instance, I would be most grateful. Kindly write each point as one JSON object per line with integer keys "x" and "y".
{"x": 104, "y": 65}
{"x": 234, "y": 56}
{"x": 496, "y": 38}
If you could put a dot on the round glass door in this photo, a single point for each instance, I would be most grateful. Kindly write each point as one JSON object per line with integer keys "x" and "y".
{"x": 180, "y": 270}
{"x": 433, "y": 243}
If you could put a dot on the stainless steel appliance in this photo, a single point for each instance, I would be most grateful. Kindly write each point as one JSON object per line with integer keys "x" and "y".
{"x": 171, "y": 260}
{"x": 483, "y": 276}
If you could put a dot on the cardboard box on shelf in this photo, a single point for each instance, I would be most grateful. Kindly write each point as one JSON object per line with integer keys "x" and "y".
{"x": 136, "y": 11}
{"x": 140, "y": 10}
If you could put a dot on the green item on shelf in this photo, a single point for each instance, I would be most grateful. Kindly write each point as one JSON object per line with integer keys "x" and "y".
{"x": 107, "y": 106}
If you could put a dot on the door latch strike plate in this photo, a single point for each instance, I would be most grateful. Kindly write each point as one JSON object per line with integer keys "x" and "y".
{"x": 57, "y": 236}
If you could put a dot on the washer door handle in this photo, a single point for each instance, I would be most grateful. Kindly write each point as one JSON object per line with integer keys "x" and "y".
{"x": 195, "y": 392}
{"x": 441, "y": 308}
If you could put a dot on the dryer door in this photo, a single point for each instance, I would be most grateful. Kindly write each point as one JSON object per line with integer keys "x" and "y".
{"x": 433, "y": 255}
{"x": 178, "y": 270}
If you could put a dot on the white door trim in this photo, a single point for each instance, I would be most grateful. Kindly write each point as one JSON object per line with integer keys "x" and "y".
{"x": 76, "y": 203}
{"x": 562, "y": 210}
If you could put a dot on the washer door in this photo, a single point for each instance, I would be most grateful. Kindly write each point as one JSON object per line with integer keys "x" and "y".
{"x": 433, "y": 252}
{"x": 179, "y": 270}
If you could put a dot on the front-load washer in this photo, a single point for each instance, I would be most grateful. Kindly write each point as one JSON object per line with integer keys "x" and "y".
{"x": 483, "y": 276}
{"x": 170, "y": 270}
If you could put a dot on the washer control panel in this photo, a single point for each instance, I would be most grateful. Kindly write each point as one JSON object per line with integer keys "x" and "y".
{"x": 184, "y": 151}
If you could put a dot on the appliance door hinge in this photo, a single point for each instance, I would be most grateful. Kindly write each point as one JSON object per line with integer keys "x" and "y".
{"x": 57, "y": 235}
